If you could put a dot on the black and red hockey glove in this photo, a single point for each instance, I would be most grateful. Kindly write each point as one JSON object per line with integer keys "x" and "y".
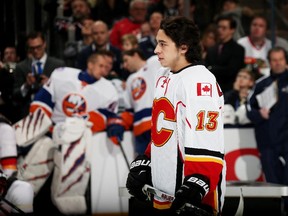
{"x": 189, "y": 196}
{"x": 139, "y": 175}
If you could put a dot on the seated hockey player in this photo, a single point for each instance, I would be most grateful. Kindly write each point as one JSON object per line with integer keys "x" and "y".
{"x": 79, "y": 103}
{"x": 16, "y": 196}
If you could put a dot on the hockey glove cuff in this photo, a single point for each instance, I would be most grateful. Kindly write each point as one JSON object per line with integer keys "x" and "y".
{"x": 192, "y": 191}
{"x": 139, "y": 175}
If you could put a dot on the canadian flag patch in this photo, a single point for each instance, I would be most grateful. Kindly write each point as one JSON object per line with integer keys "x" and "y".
{"x": 204, "y": 89}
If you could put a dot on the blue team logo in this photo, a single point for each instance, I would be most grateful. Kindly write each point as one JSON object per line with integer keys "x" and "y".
{"x": 74, "y": 104}
{"x": 138, "y": 88}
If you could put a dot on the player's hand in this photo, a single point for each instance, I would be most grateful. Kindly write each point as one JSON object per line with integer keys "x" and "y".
{"x": 115, "y": 130}
{"x": 192, "y": 191}
{"x": 139, "y": 175}
{"x": 3, "y": 183}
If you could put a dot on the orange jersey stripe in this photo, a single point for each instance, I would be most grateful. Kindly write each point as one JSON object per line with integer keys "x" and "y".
{"x": 128, "y": 119}
{"x": 142, "y": 127}
{"x": 98, "y": 121}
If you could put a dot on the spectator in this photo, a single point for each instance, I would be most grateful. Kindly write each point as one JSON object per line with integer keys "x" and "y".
{"x": 148, "y": 44}
{"x": 17, "y": 192}
{"x": 145, "y": 30}
{"x": 165, "y": 7}
{"x": 237, "y": 97}
{"x": 69, "y": 28}
{"x": 32, "y": 73}
{"x": 271, "y": 121}
{"x": 208, "y": 39}
{"x": 75, "y": 47}
{"x": 257, "y": 46}
{"x": 119, "y": 9}
{"x": 101, "y": 41}
{"x": 129, "y": 41}
{"x": 226, "y": 58}
{"x": 10, "y": 58}
{"x": 7, "y": 68}
{"x": 242, "y": 16}
{"x": 131, "y": 24}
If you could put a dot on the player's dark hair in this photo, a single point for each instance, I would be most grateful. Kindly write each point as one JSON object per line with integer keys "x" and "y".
{"x": 93, "y": 57}
{"x": 106, "y": 53}
{"x": 131, "y": 52}
{"x": 183, "y": 31}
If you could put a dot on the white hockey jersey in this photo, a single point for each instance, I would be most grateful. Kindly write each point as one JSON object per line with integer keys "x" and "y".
{"x": 139, "y": 94}
{"x": 187, "y": 133}
{"x": 70, "y": 92}
{"x": 251, "y": 51}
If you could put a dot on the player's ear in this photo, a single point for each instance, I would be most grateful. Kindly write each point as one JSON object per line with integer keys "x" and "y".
{"x": 183, "y": 48}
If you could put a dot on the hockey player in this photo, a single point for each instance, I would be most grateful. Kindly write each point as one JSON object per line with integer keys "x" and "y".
{"x": 78, "y": 103}
{"x": 138, "y": 97}
{"x": 19, "y": 193}
{"x": 186, "y": 155}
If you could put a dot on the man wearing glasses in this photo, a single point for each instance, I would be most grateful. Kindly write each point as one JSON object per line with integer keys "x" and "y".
{"x": 34, "y": 71}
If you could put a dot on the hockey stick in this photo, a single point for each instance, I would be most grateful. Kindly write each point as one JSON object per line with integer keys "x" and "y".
{"x": 12, "y": 205}
{"x": 148, "y": 190}
{"x": 123, "y": 153}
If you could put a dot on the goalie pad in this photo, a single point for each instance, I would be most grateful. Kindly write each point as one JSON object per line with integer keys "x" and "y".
{"x": 37, "y": 165}
{"x": 32, "y": 127}
{"x": 72, "y": 165}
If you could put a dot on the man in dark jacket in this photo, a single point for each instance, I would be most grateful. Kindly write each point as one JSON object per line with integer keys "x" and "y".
{"x": 226, "y": 58}
{"x": 34, "y": 71}
{"x": 271, "y": 121}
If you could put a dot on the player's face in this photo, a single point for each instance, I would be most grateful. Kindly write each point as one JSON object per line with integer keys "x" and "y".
{"x": 128, "y": 63}
{"x": 277, "y": 62}
{"x": 98, "y": 67}
{"x": 167, "y": 52}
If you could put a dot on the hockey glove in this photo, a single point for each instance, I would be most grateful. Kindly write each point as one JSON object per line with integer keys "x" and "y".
{"x": 3, "y": 183}
{"x": 115, "y": 130}
{"x": 139, "y": 175}
{"x": 191, "y": 193}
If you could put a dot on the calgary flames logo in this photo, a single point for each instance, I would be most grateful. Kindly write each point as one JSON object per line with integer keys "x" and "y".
{"x": 74, "y": 103}
{"x": 138, "y": 88}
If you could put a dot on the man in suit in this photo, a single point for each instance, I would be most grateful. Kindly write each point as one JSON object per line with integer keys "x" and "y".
{"x": 101, "y": 41}
{"x": 31, "y": 73}
{"x": 226, "y": 58}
